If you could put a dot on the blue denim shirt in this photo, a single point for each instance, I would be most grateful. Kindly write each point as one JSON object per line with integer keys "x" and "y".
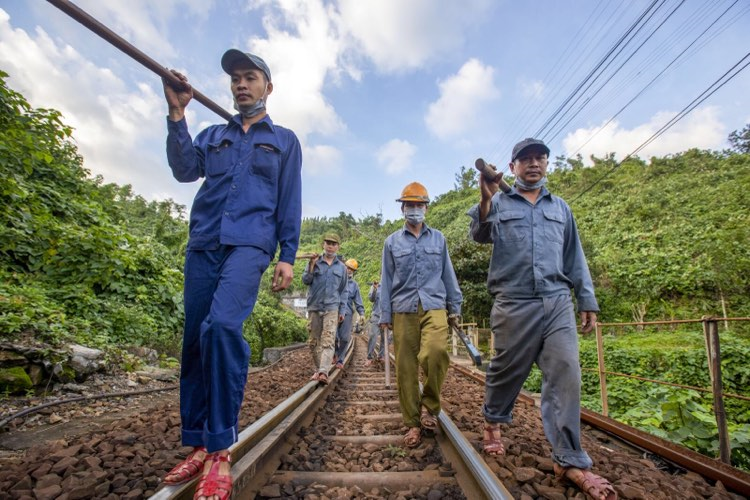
{"x": 374, "y": 296}
{"x": 536, "y": 252}
{"x": 252, "y": 189}
{"x": 327, "y": 284}
{"x": 354, "y": 298}
{"x": 417, "y": 270}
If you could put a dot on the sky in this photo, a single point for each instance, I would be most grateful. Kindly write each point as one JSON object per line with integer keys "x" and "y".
{"x": 385, "y": 92}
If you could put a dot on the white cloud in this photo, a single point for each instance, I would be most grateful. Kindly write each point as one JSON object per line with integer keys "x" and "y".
{"x": 395, "y": 156}
{"x": 399, "y": 35}
{"x": 701, "y": 129}
{"x": 321, "y": 160}
{"x": 463, "y": 100}
{"x": 144, "y": 23}
{"x": 114, "y": 127}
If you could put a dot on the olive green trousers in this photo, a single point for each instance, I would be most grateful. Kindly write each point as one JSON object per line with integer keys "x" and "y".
{"x": 420, "y": 340}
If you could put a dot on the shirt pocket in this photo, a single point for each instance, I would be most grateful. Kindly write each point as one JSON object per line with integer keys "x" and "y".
{"x": 218, "y": 158}
{"x": 334, "y": 282}
{"x": 266, "y": 161}
{"x": 554, "y": 225}
{"x": 404, "y": 260}
{"x": 513, "y": 226}
{"x": 432, "y": 257}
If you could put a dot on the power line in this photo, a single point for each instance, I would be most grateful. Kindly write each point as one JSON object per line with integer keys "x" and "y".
{"x": 719, "y": 83}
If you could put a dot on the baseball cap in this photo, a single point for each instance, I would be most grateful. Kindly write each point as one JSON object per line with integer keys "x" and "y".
{"x": 332, "y": 237}
{"x": 528, "y": 142}
{"x": 233, "y": 56}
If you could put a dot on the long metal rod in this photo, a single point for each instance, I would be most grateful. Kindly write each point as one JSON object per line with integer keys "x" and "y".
{"x": 107, "y": 34}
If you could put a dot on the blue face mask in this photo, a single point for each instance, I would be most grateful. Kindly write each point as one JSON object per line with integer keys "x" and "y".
{"x": 414, "y": 215}
{"x": 253, "y": 110}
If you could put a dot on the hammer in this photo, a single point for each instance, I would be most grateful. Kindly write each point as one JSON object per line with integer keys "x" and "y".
{"x": 491, "y": 174}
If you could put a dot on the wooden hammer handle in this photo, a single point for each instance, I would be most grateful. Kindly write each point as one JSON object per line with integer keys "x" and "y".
{"x": 491, "y": 174}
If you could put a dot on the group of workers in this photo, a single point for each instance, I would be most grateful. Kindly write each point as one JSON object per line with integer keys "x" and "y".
{"x": 249, "y": 206}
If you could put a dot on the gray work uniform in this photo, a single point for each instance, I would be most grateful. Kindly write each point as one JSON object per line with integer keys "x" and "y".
{"x": 536, "y": 259}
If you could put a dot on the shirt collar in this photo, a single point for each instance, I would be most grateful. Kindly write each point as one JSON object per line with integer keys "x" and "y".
{"x": 266, "y": 121}
{"x": 544, "y": 192}
{"x": 425, "y": 228}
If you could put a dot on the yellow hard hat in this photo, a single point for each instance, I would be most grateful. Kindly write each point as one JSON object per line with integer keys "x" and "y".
{"x": 352, "y": 264}
{"x": 414, "y": 192}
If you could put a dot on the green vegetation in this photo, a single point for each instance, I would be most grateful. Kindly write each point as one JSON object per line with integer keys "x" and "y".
{"x": 666, "y": 239}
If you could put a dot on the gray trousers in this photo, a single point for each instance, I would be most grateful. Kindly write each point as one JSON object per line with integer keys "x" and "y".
{"x": 541, "y": 331}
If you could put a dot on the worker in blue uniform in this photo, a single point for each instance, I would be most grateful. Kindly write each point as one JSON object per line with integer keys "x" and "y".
{"x": 537, "y": 258}
{"x": 353, "y": 302}
{"x": 326, "y": 303}
{"x": 248, "y": 206}
{"x": 419, "y": 298}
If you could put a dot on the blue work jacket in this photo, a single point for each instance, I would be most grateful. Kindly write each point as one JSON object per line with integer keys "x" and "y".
{"x": 374, "y": 296}
{"x": 252, "y": 189}
{"x": 536, "y": 249}
{"x": 354, "y": 298}
{"x": 417, "y": 269}
{"x": 327, "y": 284}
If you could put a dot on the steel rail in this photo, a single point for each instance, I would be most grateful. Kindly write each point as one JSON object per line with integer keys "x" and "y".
{"x": 729, "y": 476}
{"x": 486, "y": 480}
{"x": 110, "y": 36}
{"x": 256, "y": 433}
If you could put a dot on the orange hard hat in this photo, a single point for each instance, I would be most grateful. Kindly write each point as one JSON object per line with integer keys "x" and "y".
{"x": 352, "y": 264}
{"x": 414, "y": 192}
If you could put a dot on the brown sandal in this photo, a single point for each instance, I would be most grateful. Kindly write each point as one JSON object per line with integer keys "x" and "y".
{"x": 593, "y": 486}
{"x": 188, "y": 468}
{"x": 491, "y": 440}
{"x": 428, "y": 420}
{"x": 413, "y": 437}
{"x": 323, "y": 378}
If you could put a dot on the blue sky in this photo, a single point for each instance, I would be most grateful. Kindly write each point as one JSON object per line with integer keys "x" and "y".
{"x": 382, "y": 92}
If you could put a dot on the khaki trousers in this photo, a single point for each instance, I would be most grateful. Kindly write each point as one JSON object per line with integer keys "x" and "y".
{"x": 322, "y": 327}
{"x": 420, "y": 340}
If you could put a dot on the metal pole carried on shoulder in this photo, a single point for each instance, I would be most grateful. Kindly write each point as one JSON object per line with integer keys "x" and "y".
{"x": 100, "y": 29}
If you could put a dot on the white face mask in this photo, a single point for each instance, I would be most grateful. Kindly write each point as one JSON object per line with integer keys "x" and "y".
{"x": 414, "y": 215}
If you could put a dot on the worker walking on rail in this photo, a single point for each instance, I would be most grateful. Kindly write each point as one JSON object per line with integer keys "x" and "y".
{"x": 248, "y": 205}
{"x": 374, "y": 331}
{"x": 419, "y": 295}
{"x": 326, "y": 303}
{"x": 353, "y": 302}
{"x": 537, "y": 258}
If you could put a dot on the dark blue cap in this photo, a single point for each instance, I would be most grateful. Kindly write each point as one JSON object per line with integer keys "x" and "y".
{"x": 232, "y": 56}
{"x": 527, "y": 143}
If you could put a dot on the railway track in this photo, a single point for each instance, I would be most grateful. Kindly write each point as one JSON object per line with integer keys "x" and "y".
{"x": 302, "y": 439}
{"x": 345, "y": 439}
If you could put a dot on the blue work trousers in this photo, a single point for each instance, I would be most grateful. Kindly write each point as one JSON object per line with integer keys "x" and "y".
{"x": 221, "y": 287}
{"x": 343, "y": 336}
{"x": 374, "y": 335}
{"x": 542, "y": 331}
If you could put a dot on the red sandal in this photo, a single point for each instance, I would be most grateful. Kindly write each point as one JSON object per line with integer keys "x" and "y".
{"x": 188, "y": 468}
{"x": 213, "y": 483}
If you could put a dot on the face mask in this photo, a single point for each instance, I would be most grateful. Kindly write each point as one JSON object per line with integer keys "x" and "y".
{"x": 531, "y": 187}
{"x": 414, "y": 215}
{"x": 252, "y": 110}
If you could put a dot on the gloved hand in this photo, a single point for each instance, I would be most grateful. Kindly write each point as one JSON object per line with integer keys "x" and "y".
{"x": 454, "y": 321}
